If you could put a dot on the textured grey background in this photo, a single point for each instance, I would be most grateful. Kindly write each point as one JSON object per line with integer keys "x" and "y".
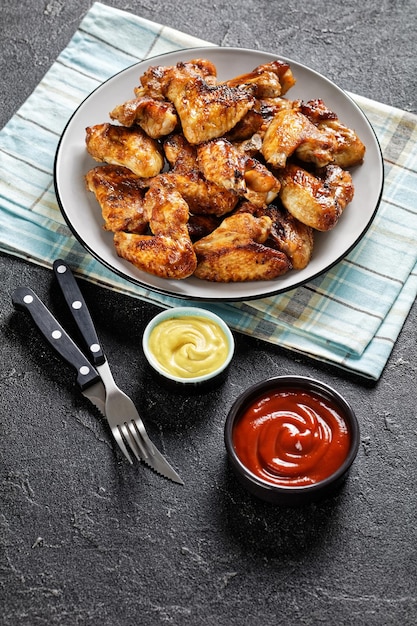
{"x": 85, "y": 539}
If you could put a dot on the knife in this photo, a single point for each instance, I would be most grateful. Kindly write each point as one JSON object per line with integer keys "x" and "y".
{"x": 88, "y": 379}
{"x": 79, "y": 310}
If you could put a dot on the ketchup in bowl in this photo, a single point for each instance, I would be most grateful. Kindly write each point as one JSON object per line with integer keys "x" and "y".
{"x": 291, "y": 438}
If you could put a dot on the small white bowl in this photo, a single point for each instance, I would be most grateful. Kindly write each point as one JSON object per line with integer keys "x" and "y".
{"x": 197, "y": 382}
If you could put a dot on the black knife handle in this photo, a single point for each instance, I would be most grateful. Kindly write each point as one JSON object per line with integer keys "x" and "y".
{"x": 25, "y": 299}
{"x": 79, "y": 310}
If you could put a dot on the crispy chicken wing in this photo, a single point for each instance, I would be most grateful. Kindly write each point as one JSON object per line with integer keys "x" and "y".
{"x": 235, "y": 251}
{"x": 180, "y": 154}
{"x": 205, "y": 111}
{"x": 154, "y": 78}
{"x": 290, "y": 131}
{"x": 222, "y": 164}
{"x": 230, "y": 167}
{"x": 317, "y": 201}
{"x": 156, "y": 117}
{"x": 257, "y": 119}
{"x": 348, "y": 149}
{"x": 129, "y": 147}
{"x": 203, "y": 196}
{"x": 262, "y": 186}
{"x": 270, "y": 79}
{"x": 120, "y": 195}
{"x": 168, "y": 252}
{"x": 289, "y": 235}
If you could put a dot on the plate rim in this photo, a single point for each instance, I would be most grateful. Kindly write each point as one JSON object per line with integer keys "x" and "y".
{"x": 221, "y": 298}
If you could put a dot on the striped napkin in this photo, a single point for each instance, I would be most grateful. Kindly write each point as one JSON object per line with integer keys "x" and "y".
{"x": 350, "y": 317}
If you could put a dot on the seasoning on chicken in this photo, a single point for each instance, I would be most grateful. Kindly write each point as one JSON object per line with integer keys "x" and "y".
{"x": 200, "y": 226}
{"x": 289, "y": 235}
{"x": 156, "y": 117}
{"x": 348, "y": 150}
{"x": 262, "y": 186}
{"x": 317, "y": 201}
{"x": 204, "y": 197}
{"x": 129, "y": 147}
{"x": 290, "y": 131}
{"x": 120, "y": 194}
{"x": 270, "y": 79}
{"x": 168, "y": 252}
{"x": 154, "y": 78}
{"x": 235, "y": 251}
{"x": 230, "y": 167}
{"x": 222, "y": 164}
{"x": 205, "y": 111}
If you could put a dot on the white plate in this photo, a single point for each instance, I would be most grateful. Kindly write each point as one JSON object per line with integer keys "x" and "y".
{"x": 81, "y": 211}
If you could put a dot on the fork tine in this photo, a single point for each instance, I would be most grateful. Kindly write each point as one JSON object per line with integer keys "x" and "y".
{"x": 119, "y": 440}
{"x": 143, "y": 435}
{"x": 125, "y": 432}
{"x": 138, "y": 439}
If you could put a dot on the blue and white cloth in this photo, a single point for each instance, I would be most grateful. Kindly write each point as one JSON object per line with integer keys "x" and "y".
{"x": 351, "y": 316}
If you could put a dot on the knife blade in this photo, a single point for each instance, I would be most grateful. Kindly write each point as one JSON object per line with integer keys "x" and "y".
{"x": 88, "y": 379}
{"x": 150, "y": 455}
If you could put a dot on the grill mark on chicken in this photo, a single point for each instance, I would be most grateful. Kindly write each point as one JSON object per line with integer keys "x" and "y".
{"x": 120, "y": 195}
{"x": 129, "y": 147}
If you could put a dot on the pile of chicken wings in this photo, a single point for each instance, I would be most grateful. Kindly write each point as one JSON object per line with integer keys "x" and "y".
{"x": 225, "y": 181}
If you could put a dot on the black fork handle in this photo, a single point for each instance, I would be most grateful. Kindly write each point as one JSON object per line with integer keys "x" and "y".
{"x": 79, "y": 310}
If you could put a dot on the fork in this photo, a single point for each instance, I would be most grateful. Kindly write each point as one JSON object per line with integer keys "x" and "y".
{"x": 125, "y": 428}
{"x": 124, "y": 420}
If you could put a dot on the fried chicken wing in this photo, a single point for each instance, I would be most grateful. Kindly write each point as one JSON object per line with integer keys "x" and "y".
{"x": 129, "y": 147}
{"x": 180, "y": 154}
{"x": 290, "y": 236}
{"x": 230, "y": 167}
{"x": 152, "y": 81}
{"x": 257, "y": 119}
{"x": 270, "y": 79}
{"x": 168, "y": 252}
{"x": 156, "y": 117}
{"x": 120, "y": 195}
{"x": 205, "y": 111}
{"x": 290, "y": 131}
{"x": 348, "y": 149}
{"x": 317, "y": 201}
{"x": 262, "y": 186}
{"x": 222, "y": 164}
{"x": 202, "y": 196}
{"x": 234, "y": 252}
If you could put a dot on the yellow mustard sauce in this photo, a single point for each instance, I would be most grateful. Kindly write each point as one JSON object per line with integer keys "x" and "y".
{"x": 188, "y": 346}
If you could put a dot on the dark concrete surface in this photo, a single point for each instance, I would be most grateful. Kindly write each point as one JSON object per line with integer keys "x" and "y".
{"x": 86, "y": 539}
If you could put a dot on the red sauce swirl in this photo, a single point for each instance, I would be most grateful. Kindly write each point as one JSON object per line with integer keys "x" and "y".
{"x": 291, "y": 438}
